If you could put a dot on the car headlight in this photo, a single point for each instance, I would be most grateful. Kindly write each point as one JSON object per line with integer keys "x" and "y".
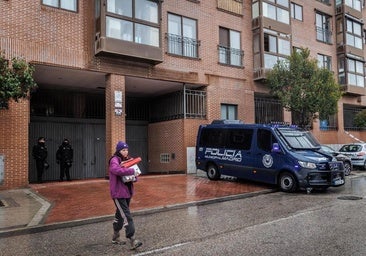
{"x": 308, "y": 165}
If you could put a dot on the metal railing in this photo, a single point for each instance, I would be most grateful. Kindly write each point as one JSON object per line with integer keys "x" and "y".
{"x": 267, "y": 110}
{"x": 230, "y": 56}
{"x": 324, "y": 35}
{"x": 183, "y": 46}
{"x": 183, "y": 104}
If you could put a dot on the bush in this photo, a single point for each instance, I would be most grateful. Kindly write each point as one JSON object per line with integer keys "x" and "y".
{"x": 360, "y": 119}
{"x": 16, "y": 79}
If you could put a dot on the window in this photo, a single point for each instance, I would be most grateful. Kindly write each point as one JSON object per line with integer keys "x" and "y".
{"x": 70, "y": 5}
{"x": 276, "y": 48}
{"x": 354, "y": 33}
{"x": 276, "y": 11}
{"x": 230, "y": 52}
{"x": 355, "y": 73}
{"x": 229, "y": 112}
{"x": 324, "y": 61}
{"x": 182, "y": 36}
{"x": 324, "y": 1}
{"x": 296, "y": 49}
{"x": 265, "y": 140}
{"x": 296, "y": 11}
{"x": 351, "y": 71}
{"x": 349, "y": 114}
{"x": 226, "y": 138}
{"x": 341, "y": 70}
{"x": 239, "y": 139}
{"x": 355, "y": 4}
{"x": 215, "y": 138}
{"x": 267, "y": 110}
{"x": 330, "y": 123}
{"x": 323, "y": 30}
{"x": 133, "y": 20}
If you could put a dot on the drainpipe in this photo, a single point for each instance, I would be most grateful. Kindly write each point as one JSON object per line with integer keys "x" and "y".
{"x": 184, "y": 101}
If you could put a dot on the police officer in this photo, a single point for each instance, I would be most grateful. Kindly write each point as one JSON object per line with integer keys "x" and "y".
{"x": 64, "y": 157}
{"x": 39, "y": 153}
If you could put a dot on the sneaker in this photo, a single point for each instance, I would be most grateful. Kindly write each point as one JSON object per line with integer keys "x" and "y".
{"x": 115, "y": 238}
{"x": 135, "y": 243}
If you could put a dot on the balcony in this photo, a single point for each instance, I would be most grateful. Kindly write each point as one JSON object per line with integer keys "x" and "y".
{"x": 105, "y": 46}
{"x": 230, "y": 56}
{"x": 233, "y": 6}
{"x": 183, "y": 46}
{"x": 323, "y": 35}
{"x": 128, "y": 34}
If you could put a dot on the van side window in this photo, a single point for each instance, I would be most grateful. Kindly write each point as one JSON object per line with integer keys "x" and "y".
{"x": 240, "y": 139}
{"x": 214, "y": 138}
{"x": 265, "y": 140}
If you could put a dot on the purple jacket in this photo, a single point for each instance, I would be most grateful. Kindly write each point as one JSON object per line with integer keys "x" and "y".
{"x": 117, "y": 188}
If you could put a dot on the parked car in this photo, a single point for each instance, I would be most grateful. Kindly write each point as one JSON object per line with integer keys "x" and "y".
{"x": 347, "y": 163}
{"x": 357, "y": 153}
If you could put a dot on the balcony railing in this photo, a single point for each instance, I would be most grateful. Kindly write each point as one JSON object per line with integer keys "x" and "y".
{"x": 324, "y": 35}
{"x": 185, "y": 104}
{"x": 183, "y": 46}
{"x": 230, "y": 56}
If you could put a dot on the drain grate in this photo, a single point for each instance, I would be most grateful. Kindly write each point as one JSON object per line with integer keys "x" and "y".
{"x": 350, "y": 197}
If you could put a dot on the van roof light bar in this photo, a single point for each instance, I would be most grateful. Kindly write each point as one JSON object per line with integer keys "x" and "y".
{"x": 283, "y": 124}
{"x": 226, "y": 121}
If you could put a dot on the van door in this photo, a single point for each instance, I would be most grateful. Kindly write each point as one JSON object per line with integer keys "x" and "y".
{"x": 266, "y": 163}
{"x": 239, "y": 143}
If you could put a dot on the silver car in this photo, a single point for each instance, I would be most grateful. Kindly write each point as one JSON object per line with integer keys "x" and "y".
{"x": 357, "y": 153}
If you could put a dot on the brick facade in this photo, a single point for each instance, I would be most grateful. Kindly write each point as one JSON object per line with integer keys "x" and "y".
{"x": 54, "y": 37}
{"x": 14, "y": 144}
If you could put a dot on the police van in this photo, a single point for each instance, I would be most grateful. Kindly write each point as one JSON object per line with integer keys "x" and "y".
{"x": 278, "y": 154}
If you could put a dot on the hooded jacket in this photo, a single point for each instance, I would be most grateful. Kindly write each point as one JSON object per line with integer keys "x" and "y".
{"x": 118, "y": 189}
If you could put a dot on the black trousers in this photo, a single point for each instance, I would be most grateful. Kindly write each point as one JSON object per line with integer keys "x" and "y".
{"x": 64, "y": 169}
{"x": 40, "y": 169}
{"x": 122, "y": 217}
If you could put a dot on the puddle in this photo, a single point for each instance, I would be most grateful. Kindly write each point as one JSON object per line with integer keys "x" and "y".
{"x": 349, "y": 197}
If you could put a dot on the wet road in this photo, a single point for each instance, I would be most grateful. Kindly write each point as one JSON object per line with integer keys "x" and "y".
{"x": 321, "y": 223}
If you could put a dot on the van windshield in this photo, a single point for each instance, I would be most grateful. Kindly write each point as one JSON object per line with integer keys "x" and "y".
{"x": 298, "y": 139}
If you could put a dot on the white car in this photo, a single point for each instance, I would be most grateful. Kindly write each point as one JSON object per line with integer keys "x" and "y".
{"x": 357, "y": 153}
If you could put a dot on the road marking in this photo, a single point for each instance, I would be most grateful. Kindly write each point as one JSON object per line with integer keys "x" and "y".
{"x": 162, "y": 249}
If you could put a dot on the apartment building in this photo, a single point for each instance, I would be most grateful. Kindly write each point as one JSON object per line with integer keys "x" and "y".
{"x": 150, "y": 72}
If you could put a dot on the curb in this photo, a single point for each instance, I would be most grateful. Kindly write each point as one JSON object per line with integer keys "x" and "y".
{"x": 74, "y": 223}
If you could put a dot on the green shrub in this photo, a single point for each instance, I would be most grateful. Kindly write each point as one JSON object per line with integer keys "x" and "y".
{"x": 16, "y": 79}
{"x": 360, "y": 119}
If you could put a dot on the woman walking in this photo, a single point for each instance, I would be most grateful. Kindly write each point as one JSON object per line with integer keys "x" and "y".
{"x": 121, "y": 193}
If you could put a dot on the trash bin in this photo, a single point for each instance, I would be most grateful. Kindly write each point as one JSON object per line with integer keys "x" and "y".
{"x": 324, "y": 125}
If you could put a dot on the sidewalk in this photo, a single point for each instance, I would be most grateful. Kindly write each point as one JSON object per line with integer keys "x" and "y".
{"x": 54, "y": 205}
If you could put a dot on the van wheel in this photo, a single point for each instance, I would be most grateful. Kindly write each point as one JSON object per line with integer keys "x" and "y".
{"x": 212, "y": 172}
{"x": 287, "y": 182}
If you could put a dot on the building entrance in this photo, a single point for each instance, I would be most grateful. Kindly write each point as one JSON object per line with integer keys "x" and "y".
{"x": 87, "y": 137}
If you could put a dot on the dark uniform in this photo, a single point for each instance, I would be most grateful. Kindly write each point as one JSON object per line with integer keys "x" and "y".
{"x": 64, "y": 157}
{"x": 39, "y": 153}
